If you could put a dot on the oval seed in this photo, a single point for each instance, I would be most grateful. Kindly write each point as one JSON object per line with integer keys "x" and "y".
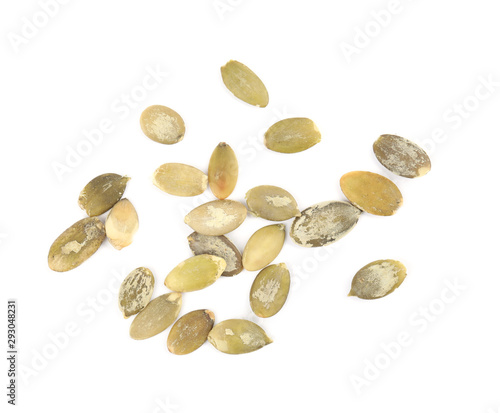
{"x": 222, "y": 171}
{"x": 401, "y": 156}
{"x": 373, "y": 193}
{"x": 195, "y": 273}
{"x": 378, "y": 279}
{"x": 244, "y": 84}
{"x": 237, "y": 336}
{"x": 219, "y": 246}
{"x": 292, "y": 135}
{"x": 216, "y": 217}
{"x": 77, "y": 244}
{"x": 179, "y": 179}
{"x": 162, "y": 124}
{"x": 271, "y": 203}
{"x": 270, "y": 290}
{"x": 101, "y": 193}
{"x": 324, "y": 223}
{"x": 136, "y": 291}
{"x": 190, "y": 332}
{"x": 263, "y": 247}
{"x": 121, "y": 224}
{"x": 158, "y": 315}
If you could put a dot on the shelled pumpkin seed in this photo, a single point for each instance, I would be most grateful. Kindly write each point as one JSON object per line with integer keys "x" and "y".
{"x": 76, "y": 245}
{"x": 101, "y": 193}
{"x": 244, "y": 84}
{"x": 270, "y": 290}
{"x": 292, "y": 135}
{"x": 238, "y": 336}
{"x": 272, "y": 203}
{"x": 222, "y": 171}
{"x": 136, "y": 291}
{"x": 180, "y": 180}
{"x": 195, "y": 273}
{"x": 190, "y": 332}
{"x": 121, "y": 224}
{"x": 378, "y": 279}
{"x": 162, "y": 124}
{"x": 263, "y": 247}
{"x": 219, "y": 246}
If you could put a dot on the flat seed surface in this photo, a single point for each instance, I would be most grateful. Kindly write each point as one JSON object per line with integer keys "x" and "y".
{"x": 190, "y": 332}
{"x": 219, "y": 246}
{"x": 238, "y": 336}
{"x": 222, "y": 171}
{"x": 162, "y": 124}
{"x": 378, "y": 279}
{"x": 270, "y": 290}
{"x": 195, "y": 273}
{"x": 158, "y": 315}
{"x": 324, "y": 223}
{"x": 179, "y": 179}
{"x": 101, "y": 193}
{"x": 121, "y": 224}
{"x": 263, "y": 247}
{"x": 216, "y": 217}
{"x": 244, "y": 84}
{"x": 75, "y": 245}
{"x": 136, "y": 291}
{"x": 292, "y": 135}
{"x": 272, "y": 203}
{"x": 401, "y": 156}
{"x": 373, "y": 193}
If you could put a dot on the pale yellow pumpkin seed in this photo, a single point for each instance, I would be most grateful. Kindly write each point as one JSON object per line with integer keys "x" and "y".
{"x": 292, "y": 135}
{"x": 101, "y": 193}
{"x": 121, "y": 224}
{"x": 263, "y": 247}
{"x": 136, "y": 291}
{"x": 190, "y": 332}
{"x": 162, "y": 124}
{"x": 270, "y": 290}
{"x": 244, "y": 84}
{"x": 238, "y": 336}
{"x": 222, "y": 171}
{"x": 195, "y": 273}
{"x": 272, "y": 203}
{"x": 179, "y": 179}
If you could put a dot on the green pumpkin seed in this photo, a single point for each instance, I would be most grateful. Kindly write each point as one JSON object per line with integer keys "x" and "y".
{"x": 158, "y": 315}
{"x": 271, "y": 203}
{"x": 237, "y": 336}
{"x": 401, "y": 156}
{"x": 136, "y": 291}
{"x": 263, "y": 247}
{"x": 219, "y": 246}
{"x": 121, "y": 224}
{"x": 292, "y": 135}
{"x": 101, "y": 193}
{"x": 77, "y": 244}
{"x": 324, "y": 223}
{"x": 270, "y": 290}
{"x": 372, "y": 193}
{"x": 190, "y": 332}
{"x": 162, "y": 125}
{"x": 216, "y": 217}
{"x": 244, "y": 84}
{"x": 195, "y": 273}
{"x": 222, "y": 171}
{"x": 378, "y": 279}
{"x": 179, "y": 179}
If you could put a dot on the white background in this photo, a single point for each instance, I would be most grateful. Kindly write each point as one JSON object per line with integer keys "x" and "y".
{"x": 409, "y": 78}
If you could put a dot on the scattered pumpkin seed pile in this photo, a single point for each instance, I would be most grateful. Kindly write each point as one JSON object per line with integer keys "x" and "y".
{"x": 214, "y": 254}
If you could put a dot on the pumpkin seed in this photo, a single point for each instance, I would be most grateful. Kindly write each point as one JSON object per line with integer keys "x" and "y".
{"x": 121, "y": 224}
{"x": 179, "y": 179}
{"x": 222, "y": 171}
{"x": 156, "y": 317}
{"x": 162, "y": 124}
{"x": 401, "y": 156}
{"x": 271, "y": 203}
{"x": 216, "y": 217}
{"x": 244, "y": 84}
{"x": 270, "y": 290}
{"x": 292, "y": 135}
{"x": 238, "y": 336}
{"x": 77, "y": 244}
{"x": 136, "y": 291}
{"x": 219, "y": 246}
{"x": 373, "y": 193}
{"x": 378, "y": 279}
{"x": 190, "y": 332}
{"x": 101, "y": 193}
{"x": 195, "y": 273}
{"x": 324, "y": 223}
{"x": 263, "y": 247}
